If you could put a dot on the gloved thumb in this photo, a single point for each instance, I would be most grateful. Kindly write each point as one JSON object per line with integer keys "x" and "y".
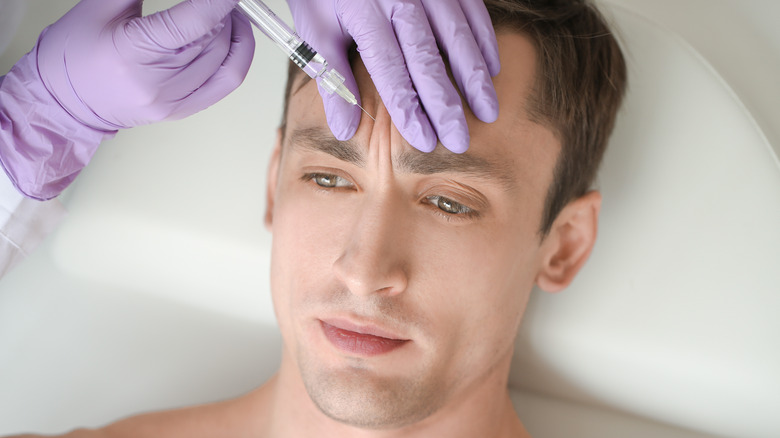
{"x": 185, "y": 22}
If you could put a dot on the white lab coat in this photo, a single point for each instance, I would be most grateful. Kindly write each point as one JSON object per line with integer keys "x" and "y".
{"x": 24, "y": 223}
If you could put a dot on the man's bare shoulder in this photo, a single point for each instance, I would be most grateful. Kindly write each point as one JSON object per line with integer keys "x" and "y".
{"x": 228, "y": 418}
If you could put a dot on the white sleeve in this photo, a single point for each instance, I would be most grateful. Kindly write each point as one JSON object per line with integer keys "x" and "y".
{"x": 24, "y": 223}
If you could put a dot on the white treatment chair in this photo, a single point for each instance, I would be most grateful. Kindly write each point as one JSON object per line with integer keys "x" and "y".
{"x": 154, "y": 291}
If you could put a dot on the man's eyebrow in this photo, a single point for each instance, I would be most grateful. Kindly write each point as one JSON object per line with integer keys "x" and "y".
{"x": 410, "y": 161}
{"x": 443, "y": 161}
{"x": 315, "y": 139}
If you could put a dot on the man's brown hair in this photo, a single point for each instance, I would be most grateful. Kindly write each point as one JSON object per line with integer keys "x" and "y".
{"x": 580, "y": 83}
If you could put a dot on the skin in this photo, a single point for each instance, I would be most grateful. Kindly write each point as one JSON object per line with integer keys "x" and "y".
{"x": 442, "y": 258}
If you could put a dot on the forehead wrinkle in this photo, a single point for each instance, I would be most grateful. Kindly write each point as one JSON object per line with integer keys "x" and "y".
{"x": 441, "y": 161}
{"x": 315, "y": 139}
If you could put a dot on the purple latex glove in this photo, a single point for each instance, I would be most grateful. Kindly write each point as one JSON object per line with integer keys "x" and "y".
{"x": 103, "y": 67}
{"x": 397, "y": 41}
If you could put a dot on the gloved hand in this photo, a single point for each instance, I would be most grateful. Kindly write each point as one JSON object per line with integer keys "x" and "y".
{"x": 103, "y": 67}
{"x": 397, "y": 41}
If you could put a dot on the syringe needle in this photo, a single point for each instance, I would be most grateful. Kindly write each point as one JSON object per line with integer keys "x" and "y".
{"x": 364, "y": 110}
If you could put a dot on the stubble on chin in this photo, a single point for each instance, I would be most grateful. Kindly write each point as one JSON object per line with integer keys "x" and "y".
{"x": 359, "y": 397}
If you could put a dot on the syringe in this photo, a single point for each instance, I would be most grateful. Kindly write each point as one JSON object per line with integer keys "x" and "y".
{"x": 297, "y": 49}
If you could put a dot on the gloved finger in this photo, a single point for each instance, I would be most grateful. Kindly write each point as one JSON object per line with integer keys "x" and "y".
{"x": 384, "y": 60}
{"x": 228, "y": 76}
{"x": 192, "y": 70}
{"x": 327, "y": 39}
{"x": 466, "y": 61}
{"x": 102, "y": 11}
{"x": 139, "y": 38}
{"x": 429, "y": 75}
{"x": 185, "y": 22}
{"x": 485, "y": 35}
{"x": 343, "y": 118}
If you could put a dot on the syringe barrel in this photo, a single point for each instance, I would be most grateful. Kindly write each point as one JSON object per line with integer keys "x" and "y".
{"x": 288, "y": 41}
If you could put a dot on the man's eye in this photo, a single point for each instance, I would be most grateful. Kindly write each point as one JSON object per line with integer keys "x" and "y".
{"x": 328, "y": 181}
{"x": 449, "y": 206}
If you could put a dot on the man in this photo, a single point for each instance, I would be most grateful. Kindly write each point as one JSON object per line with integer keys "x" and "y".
{"x": 399, "y": 278}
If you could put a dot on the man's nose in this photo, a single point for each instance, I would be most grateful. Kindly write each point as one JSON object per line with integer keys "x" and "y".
{"x": 374, "y": 258}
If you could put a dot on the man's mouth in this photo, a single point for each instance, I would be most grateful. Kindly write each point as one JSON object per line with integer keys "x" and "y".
{"x": 360, "y": 340}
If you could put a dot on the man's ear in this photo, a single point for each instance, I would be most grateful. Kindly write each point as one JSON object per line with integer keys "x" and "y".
{"x": 569, "y": 243}
{"x": 273, "y": 176}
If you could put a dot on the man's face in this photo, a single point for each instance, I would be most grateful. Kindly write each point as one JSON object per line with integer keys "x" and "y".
{"x": 399, "y": 278}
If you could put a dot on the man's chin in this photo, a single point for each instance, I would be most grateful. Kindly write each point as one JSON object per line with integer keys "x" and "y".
{"x": 360, "y": 398}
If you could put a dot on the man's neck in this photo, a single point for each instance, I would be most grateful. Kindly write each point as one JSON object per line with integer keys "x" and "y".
{"x": 482, "y": 410}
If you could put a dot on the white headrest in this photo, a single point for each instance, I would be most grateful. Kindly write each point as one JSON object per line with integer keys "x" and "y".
{"x": 675, "y": 316}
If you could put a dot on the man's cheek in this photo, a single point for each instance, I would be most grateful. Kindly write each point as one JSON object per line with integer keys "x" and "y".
{"x": 478, "y": 277}
{"x": 309, "y": 234}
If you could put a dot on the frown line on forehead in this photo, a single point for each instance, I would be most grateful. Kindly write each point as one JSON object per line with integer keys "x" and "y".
{"x": 409, "y": 161}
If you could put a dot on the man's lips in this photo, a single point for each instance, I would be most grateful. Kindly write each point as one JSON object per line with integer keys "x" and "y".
{"x": 360, "y": 340}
